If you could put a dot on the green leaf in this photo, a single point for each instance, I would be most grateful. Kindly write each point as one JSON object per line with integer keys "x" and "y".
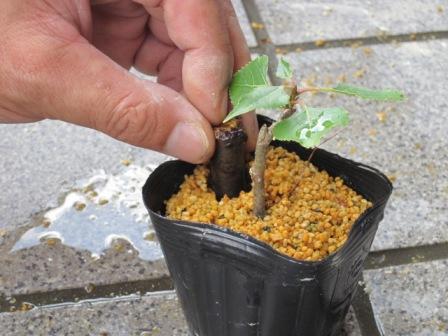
{"x": 284, "y": 69}
{"x": 309, "y": 125}
{"x": 250, "y": 89}
{"x": 254, "y": 74}
{"x": 261, "y": 97}
{"x": 385, "y": 95}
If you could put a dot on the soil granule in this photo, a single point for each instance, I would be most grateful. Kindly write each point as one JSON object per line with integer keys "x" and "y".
{"x": 309, "y": 213}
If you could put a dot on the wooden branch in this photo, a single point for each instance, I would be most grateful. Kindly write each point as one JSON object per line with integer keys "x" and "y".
{"x": 265, "y": 137}
{"x": 228, "y": 169}
{"x": 258, "y": 169}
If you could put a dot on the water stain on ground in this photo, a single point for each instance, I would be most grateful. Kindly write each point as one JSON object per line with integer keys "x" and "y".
{"x": 97, "y": 213}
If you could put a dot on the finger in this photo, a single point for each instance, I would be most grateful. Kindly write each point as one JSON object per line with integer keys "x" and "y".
{"x": 241, "y": 57}
{"x": 119, "y": 28}
{"x": 170, "y": 71}
{"x": 158, "y": 27}
{"x": 200, "y": 31}
{"x": 151, "y": 55}
{"x": 159, "y": 59}
{"x": 85, "y": 87}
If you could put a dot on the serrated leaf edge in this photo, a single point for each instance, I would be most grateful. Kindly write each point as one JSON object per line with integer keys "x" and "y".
{"x": 244, "y": 67}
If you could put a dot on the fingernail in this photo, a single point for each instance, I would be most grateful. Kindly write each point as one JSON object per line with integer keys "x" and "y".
{"x": 188, "y": 142}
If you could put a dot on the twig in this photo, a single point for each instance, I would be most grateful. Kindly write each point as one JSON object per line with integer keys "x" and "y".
{"x": 265, "y": 137}
{"x": 312, "y": 154}
{"x": 257, "y": 172}
{"x": 325, "y": 141}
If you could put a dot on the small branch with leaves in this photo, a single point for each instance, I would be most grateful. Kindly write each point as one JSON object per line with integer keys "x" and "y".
{"x": 251, "y": 89}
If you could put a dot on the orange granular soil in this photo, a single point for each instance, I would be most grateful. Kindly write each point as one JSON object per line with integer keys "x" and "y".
{"x": 309, "y": 213}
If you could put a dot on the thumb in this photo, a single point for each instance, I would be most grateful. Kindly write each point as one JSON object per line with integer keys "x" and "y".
{"x": 89, "y": 89}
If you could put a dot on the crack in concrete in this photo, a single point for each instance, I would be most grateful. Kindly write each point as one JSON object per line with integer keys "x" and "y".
{"x": 364, "y": 312}
{"x": 264, "y": 42}
{"x": 375, "y": 260}
{"x": 23, "y": 302}
{"x": 406, "y": 255}
{"x": 362, "y": 41}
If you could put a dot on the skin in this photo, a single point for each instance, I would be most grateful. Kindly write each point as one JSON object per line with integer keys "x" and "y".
{"x": 69, "y": 60}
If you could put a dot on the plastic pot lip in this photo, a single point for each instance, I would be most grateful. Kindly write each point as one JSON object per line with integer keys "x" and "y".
{"x": 220, "y": 232}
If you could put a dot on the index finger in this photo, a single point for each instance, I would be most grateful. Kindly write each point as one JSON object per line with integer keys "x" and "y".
{"x": 198, "y": 28}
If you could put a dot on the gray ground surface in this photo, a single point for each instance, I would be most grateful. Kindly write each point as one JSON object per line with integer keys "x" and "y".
{"x": 51, "y": 252}
{"x": 156, "y": 314}
{"x": 411, "y": 299}
{"x": 152, "y": 314}
{"x": 308, "y": 21}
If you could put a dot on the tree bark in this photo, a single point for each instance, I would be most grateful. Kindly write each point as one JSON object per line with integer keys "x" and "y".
{"x": 228, "y": 170}
{"x": 265, "y": 137}
{"x": 258, "y": 169}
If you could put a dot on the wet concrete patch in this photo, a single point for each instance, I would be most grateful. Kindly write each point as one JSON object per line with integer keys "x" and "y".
{"x": 100, "y": 234}
{"x": 98, "y": 213}
{"x": 25, "y": 302}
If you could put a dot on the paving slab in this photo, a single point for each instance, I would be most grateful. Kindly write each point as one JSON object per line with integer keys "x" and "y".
{"x": 149, "y": 315}
{"x": 312, "y": 20}
{"x": 411, "y": 300}
{"x": 407, "y": 141}
{"x": 45, "y": 268}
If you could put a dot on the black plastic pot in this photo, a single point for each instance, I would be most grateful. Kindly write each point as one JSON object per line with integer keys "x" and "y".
{"x": 233, "y": 285}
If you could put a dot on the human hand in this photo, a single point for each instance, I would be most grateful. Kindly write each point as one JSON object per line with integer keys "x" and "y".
{"x": 68, "y": 60}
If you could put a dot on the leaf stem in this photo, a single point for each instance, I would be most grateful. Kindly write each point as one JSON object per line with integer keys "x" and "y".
{"x": 314, "y": 89}
{"x": 323, "y": 142}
